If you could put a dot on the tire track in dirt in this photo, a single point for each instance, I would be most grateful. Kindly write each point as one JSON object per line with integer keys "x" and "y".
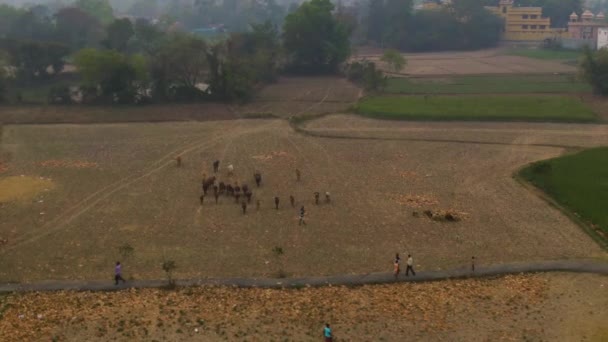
{"x": 109, "y": 190}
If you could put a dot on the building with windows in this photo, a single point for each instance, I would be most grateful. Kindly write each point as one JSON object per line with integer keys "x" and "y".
{"x": 586, "y": 26}
{"x": 528, "y": 24}
{"x": 525, "y": 23}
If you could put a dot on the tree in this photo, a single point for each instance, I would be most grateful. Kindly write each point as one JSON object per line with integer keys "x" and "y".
{"x": 178, "y": 65}
{"x": 367, "y": 75}
{"x": 479, "y": 28}
{"x": 397, "y": 13}
{"x": 394, "y": 59}
{"x": 117, "y": 78}
{"x": 375, "y": 21}
{"x": 30, "y": 26}
{"x": 118, "y": 34}
{"x": 314, "y": 40}
{"x": 594, "y": 69}
{"x": 99, "y": 9}
{"x": 3, "y": 86}
{"x": 77, "y": 28}
{"x": 32, "y": 59}
{"x": 147, "y": 37}
{"x": 8, "y": 16}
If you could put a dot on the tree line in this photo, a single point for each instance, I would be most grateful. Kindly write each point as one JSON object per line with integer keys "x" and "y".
{"x": 127, "y": 61}
{"x": 462, "y": 25}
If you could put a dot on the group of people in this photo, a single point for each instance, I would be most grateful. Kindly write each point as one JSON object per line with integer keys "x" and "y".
{"x": 235, "y": 190}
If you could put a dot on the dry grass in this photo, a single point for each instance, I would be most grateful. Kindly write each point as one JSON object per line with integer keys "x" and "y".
{"x": 505, "y": 309}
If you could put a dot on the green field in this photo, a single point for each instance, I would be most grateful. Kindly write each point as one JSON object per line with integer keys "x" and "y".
{"x": 579, "y": 182}
{"x": 503, "y": 108}
{"x": 546, "y": 54}
{"x": 488, "y": 85}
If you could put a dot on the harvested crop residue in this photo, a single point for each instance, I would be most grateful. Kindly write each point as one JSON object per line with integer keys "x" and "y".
{"x": 22, "y": 188}
{"x": 449, "y": 215}
{"x": 268, "y": 157}
{"x": 417, "y": 201}
{"x": 69, "y": 164}
{"x": 408, "y": 175}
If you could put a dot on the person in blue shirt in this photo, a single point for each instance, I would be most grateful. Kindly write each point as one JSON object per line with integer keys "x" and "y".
{"x": 327, "y": 333}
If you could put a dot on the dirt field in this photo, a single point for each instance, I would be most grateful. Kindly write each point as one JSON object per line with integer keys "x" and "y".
{"x": 304, "y": 96}
{"x": 554, "y": 307}
{"x": 492, "y": 61}
{"x": 116, "y": 184}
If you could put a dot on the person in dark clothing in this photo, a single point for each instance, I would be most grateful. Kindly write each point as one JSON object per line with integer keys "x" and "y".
{"x": 118, "y": 274}
{"x": 216, "y": 166}
{"x": 302, "y": 216}
{"x": 472, "y": 264}
{"x": 298, "y": 175}
{"x": 244, "y": 206}
{"x": 258, "y": 178}
{"x": 276, "y": 203}
{"x": 292, "y": 200}
{"x": 317, "y": 198}
{"x": 248, "y": 194}
{"x": 202, "y": 199}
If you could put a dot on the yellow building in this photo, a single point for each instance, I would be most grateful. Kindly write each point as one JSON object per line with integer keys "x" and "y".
{"x": 521, "y": 23}
{"x": 525, "y": 23}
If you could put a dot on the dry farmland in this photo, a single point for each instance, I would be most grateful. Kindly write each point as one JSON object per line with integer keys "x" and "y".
{"x": 550, "y": 307}
{"x": 493, "y": 61}
{"x": 94, "y": 188}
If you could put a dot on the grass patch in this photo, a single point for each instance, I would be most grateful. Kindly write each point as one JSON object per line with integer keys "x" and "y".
{"x": 17, "y": 188}
{"x": 512, "y": 84}
{"x": 546, "y": 54}
{"x": 503, "y": 108}
{"x": 579, "y": 183}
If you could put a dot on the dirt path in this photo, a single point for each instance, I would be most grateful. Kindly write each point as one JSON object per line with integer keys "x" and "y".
{"x": 573, "y": 266}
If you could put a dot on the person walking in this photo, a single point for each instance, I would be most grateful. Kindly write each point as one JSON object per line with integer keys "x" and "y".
{"x": 276, "y": 203}
{"x": 327, "y": 334}
{"x": 302, "y": 215}
{"x": 244, "y": 206}
{"x": 410, "y": 266}
{"x": 298, "y": 175}
{"x": 473, "y": 264}
{"x": 292, "y": 200}
{"x": 118, "y": 274}
{"x": 396, "y": 270}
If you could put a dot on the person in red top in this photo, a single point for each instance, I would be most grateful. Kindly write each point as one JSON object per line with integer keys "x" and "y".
{"x": 396, "y": 265}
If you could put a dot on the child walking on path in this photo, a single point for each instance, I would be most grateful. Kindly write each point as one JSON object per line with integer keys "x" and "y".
{"x": 396, "y": 264}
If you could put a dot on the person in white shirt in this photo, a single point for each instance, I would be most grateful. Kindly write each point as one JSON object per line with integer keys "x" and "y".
{"x": 410, "y": 266}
